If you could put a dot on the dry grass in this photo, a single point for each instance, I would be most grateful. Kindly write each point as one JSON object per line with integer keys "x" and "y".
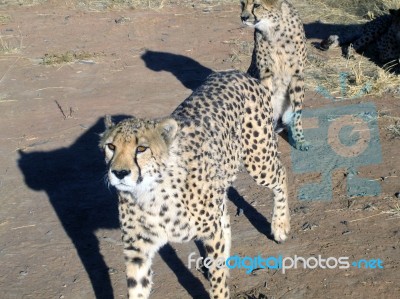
{"x": 4, "y": 19}
{"x": 362, "y": 75}
{"x": 67, "y": 57}
{"x": 349, "y": 78}
{"x": 22, "y": 2}
{"x": 363, "y": 8}
{"x": 11, "y": 44}
{"x": 394, "y": 130}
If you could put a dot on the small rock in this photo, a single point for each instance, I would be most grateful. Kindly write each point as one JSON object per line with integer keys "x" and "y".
{"x": 23, "y": 272}
{"x": 121, "y": 20}
{"x": 397, "y": 194}
{"x": 112, "y": 271}
{"x": 346, "y": 232}
{"x": 309, "y": 226}
{"x": 302, "y": 209}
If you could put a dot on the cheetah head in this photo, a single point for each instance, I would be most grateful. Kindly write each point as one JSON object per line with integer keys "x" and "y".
{"x": 136, "y": 152}
{"x": 260, "y": 13}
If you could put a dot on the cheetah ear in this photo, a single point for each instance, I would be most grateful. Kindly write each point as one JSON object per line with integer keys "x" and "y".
{"x": 108, "y": 122}
{"x": 168, "y": 128}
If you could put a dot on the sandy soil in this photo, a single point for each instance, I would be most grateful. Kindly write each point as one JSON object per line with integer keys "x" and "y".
{"x": 58, "y": 221}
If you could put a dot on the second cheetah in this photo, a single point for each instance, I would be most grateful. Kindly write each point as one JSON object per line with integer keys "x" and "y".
{"x": 278, "y": 60}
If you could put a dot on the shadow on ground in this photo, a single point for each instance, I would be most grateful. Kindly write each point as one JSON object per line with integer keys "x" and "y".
{"x": 258, "y": 220}
{"x": 188, "y": 71}
{"x": 72, "y": 177}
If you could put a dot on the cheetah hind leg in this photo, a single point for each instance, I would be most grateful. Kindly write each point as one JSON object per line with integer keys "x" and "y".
{"x": 292, "y": 115}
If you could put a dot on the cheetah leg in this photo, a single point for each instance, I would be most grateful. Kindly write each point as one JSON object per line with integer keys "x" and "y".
{"x": 271, "y": 173}
{"x": 296, "y": 96}
{"x": 261, "y": 160}
{"x": 218, "y": 248}
{"x": 139, "y": 251}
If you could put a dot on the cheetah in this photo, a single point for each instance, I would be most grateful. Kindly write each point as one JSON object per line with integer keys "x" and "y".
{"x": 278, "y": 60}
{"x": 384, "y": 30}
{"x": 172, "y": 174}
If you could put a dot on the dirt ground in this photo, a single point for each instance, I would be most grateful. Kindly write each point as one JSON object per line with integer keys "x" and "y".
{"x": 59, "y": 235}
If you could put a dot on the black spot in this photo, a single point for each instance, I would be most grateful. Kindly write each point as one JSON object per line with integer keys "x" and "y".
{"x": 217, "y": 245}
{"x": 132, "y": 283}
{"x": 138, "y": 261}
{"x": 209, "y": 249}
{"x": 145, "y": 282}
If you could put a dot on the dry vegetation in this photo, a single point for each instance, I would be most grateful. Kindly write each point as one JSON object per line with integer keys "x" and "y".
{"x": 362, "y": 75}
{"x": 67, "y": 57}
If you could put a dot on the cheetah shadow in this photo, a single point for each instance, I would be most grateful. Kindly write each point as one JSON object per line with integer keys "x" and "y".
{"x": 187, "y": 70}
{"x": 319, "y": 30}
{"x": 72, "y": 177}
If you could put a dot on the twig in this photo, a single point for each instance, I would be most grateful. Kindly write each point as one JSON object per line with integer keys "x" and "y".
{"x": 23, "y": 226}
{"x": 11, "y": 66}
{"x": 61, "y": 109}
{"x": 366, "y": 217}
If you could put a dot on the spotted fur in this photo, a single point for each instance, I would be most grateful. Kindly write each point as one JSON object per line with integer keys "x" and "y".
{"x": 384, "y": 31}
{"x": 278, "y": 60}
{"x": 172, "y": 175}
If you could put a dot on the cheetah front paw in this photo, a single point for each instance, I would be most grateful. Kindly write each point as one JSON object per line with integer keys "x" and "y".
{"x": 280, "y": 228}
{"x": 302, "y": 146}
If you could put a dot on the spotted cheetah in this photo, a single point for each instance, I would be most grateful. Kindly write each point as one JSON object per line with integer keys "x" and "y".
{"x": 278, "y": 60}
{"x": 384, "y": 30}
{"x": 172, "y": 174}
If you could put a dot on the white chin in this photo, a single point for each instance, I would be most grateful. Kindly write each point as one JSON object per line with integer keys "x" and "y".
{"x": 125, "y": 188}
{"x": 250, "y": 24}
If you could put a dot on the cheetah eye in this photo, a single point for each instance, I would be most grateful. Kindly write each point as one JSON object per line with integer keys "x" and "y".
{"x": 111, "y": 146}
{"x": 140, "y": 149}
{"x": 256, "y": 5}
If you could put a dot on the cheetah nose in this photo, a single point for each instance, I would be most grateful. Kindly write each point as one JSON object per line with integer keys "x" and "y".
{"x": 121, "y": 173}
{"x": 244, "y": 18}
